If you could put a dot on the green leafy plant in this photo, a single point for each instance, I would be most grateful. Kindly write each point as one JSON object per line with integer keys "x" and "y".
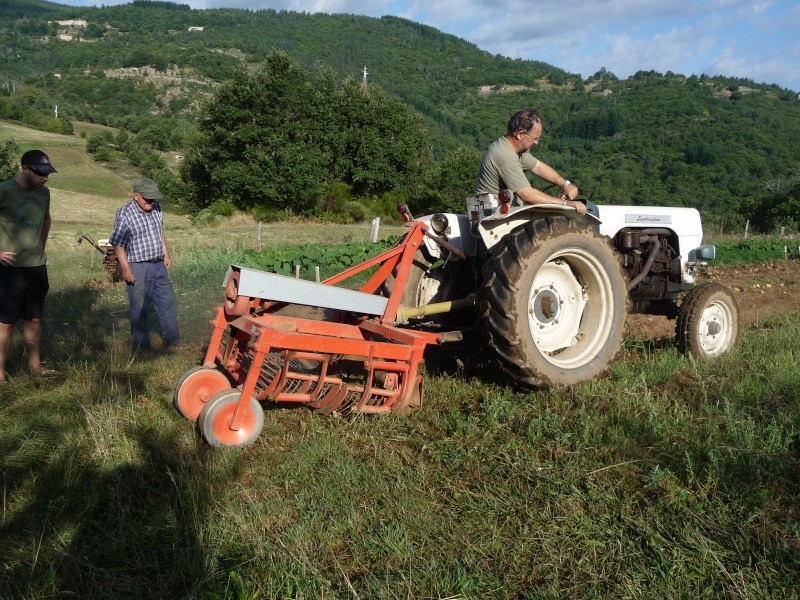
{"x": 330, "y": 259}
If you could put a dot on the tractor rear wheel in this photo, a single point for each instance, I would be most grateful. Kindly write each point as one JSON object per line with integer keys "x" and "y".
{"x": 708, "y": 321}
{"x": 553, "y": 303}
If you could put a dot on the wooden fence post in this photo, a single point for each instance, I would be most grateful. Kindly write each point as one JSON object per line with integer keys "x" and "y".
{"x": 746, "y": 227}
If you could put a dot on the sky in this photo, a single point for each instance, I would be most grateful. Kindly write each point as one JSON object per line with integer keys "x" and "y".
{"x": 752, "y": 39}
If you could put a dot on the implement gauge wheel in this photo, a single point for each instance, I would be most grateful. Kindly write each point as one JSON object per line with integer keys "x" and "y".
{"x": 194, "y": 389}
{"x": 216, "y": 417}
{"x": 708, "y": 321}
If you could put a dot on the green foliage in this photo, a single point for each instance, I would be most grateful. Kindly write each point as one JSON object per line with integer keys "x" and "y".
{"x": 35, "y": 108}
{"x": 9, "y": 159}
{"x": 102, "y": 154}
{"x": 330, "y": 259}
{"x": 213, "y": 215}
{"x": 449, "y": 183}
{"x": 724, "y": 145}
{"x": 278, "y": 139}
{"x": 755, "y": 250}
{"x": 96, "y": 141}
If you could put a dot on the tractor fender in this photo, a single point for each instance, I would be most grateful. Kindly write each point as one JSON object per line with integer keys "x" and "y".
{"x": 494, "y": 228}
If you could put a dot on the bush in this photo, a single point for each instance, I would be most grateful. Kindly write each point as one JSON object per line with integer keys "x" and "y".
{"x": 355, "y": 211}
{"x": 9, "y": 156}
{"x": 267, "y": 214}
{"x": 221, "y": 208}
{"x": 96, "y": 141}
{"x": 102, "y": 154}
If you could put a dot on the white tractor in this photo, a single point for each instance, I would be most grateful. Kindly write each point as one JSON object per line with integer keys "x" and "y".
{"x": 553, "y": 288}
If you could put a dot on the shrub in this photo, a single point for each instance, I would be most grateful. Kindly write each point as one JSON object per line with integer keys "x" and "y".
{"x": 356, "y": 211}
{"x": 103, "y": 154}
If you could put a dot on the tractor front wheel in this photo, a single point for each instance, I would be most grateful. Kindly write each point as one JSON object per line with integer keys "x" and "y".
{"x": 708, "y": 321}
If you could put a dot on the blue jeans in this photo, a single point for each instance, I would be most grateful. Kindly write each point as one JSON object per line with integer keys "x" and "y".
{"x": 152, "y": 287}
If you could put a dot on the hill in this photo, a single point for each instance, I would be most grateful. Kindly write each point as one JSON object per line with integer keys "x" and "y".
{"x": 726, "y": 146}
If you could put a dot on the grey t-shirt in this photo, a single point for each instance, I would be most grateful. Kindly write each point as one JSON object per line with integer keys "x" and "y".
{"x": 503, "y": 168}
{"x": 22, "y": 215}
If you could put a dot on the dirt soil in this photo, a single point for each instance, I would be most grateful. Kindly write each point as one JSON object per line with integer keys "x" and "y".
{"x": 761, "y": 290}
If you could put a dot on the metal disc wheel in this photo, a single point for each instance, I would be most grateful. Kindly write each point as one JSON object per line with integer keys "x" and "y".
{"x": 708, "y": 321}
{"x": 234, "y": 304}
{"x": 553, "y": 303}
{"x": 217, "y": 415}
{"x": 194, "y": 389}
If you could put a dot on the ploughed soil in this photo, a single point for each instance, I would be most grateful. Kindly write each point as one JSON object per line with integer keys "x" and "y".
{"x": 761, "y": 290}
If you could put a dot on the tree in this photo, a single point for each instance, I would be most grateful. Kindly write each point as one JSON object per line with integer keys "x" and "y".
{"x": 254, "y": 145}
{"x": 278, "y": 139}
{"x": 450, "y": 183}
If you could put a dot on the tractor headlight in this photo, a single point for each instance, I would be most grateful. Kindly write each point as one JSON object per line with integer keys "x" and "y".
{"x": 440, "y": 223}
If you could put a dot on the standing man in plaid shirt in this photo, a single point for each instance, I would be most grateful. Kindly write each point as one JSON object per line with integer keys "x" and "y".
{"x": 141, "y": 248}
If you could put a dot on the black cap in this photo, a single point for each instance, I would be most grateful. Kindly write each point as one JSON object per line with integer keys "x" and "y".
{"x": 38, "y": 161}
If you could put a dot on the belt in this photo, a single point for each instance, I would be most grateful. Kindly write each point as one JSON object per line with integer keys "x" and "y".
{"x": 155, "y": 260}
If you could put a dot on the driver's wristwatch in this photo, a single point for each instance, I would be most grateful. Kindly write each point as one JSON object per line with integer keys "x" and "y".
{"x": 564, "y": 185}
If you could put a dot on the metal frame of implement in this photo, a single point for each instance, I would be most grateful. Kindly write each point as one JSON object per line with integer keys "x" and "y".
{"x": 354, "y": 358}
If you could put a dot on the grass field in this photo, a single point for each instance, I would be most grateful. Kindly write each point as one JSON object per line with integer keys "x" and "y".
{"x": 668, "y": 479}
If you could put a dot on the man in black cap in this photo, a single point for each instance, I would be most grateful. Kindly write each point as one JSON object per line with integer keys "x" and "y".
{"x": 24, "y": 227}
{"x": 141, "y": 248}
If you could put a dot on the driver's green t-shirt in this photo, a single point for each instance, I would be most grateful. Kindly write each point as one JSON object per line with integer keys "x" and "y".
{"x": 22, "y": 214}
{"x": 502, "y": 168}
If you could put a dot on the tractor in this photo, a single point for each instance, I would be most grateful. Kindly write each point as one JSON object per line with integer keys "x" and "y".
{"x": 545, "y": 292}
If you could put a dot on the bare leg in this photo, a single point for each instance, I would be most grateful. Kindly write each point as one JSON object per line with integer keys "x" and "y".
{"x": 5, "y": 344}
{"x": 32, "y": 332}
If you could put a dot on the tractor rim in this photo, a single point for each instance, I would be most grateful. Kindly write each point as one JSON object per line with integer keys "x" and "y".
{"x": 569, "y": 306}
{"x": 714, "y": 329}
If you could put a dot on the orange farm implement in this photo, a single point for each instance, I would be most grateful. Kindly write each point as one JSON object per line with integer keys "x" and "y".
{"x": 282, "y": 339}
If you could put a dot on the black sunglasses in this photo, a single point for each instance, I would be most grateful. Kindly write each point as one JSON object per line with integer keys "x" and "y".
{"x": 39, "y": 173}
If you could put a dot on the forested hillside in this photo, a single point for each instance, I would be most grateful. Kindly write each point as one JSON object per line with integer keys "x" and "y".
{"x": 727, "y": 146}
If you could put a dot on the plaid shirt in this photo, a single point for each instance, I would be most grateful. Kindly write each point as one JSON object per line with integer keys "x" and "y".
{"x": 139, "y": 233}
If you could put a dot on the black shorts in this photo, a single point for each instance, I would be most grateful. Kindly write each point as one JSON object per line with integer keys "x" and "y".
{"x": 22, "y": 292}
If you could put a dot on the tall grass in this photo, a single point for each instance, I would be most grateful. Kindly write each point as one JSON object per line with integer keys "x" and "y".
{"x": 670, "y": 478}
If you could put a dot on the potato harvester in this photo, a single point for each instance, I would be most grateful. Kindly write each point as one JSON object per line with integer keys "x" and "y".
{"x": 290, "y": 340}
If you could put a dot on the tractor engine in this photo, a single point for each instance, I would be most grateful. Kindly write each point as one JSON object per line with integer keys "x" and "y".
{"x": 653, "y": 265}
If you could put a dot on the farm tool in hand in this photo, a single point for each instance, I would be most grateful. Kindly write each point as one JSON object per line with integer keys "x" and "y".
{"x": 110, "y": 262}
{"x": 289, "y": 340}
